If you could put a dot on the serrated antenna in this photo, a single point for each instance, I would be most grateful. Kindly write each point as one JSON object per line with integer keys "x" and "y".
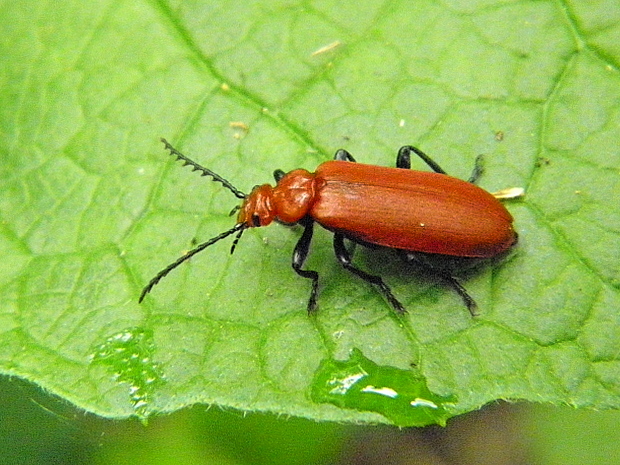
{"x": 205, "y": 172}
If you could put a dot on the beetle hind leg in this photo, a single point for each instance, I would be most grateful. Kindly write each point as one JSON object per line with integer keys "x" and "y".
{"x": 344, "y": 257}
{"x": 403, "y": 160}
{"x": 478, "y": 169}
{"x": 446, "y": 277}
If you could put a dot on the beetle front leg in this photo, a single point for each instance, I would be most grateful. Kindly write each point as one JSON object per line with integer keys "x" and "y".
{"x": 299, "y": 257}
{"x": 343, "y": 256}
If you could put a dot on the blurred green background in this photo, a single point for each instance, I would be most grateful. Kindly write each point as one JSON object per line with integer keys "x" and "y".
{"x": 36, "y": 428}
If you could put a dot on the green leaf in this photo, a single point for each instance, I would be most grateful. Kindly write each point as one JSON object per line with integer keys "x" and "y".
{"x": 91, "y": 206}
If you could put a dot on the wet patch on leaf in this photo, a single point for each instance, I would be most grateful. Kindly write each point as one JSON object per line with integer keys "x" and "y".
{"x": 129, "y": 355}
{"x": 402, "y": 396}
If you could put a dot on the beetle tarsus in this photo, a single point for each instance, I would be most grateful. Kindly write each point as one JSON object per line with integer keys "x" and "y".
{"x": 470, "y": 303}
{"x": 478, "y": 170}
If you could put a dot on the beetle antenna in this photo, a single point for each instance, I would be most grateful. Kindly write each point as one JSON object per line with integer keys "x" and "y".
{"x": 202, "y": 169}
{"x": 236, "y": 241}
{"x": 239, "y": 227}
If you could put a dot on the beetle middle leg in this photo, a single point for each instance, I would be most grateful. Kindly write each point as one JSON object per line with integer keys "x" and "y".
{"x": 344, "y": 257}
{"x": 299, "y": 257}
{"x": 403, "y": 160}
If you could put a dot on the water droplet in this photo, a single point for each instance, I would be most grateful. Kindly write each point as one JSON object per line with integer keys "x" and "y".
{"x": 402, "y": 396}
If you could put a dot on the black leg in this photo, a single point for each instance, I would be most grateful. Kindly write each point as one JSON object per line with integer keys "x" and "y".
{"x": 343, "y": 256}
{"x": 299, "y": 257}
{"x": 343, "y": 155}
{"x": 403, "y": 159}
{"x": 478, "y": 170}
{"x": 278, "y": 174}
{"x": 444, "y": 275}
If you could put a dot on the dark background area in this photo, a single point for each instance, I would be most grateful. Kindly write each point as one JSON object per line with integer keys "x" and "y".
{"x": 36, "y": 428}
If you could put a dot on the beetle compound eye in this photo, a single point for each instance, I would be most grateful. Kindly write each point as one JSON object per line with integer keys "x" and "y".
{"x": 256, "y": 220}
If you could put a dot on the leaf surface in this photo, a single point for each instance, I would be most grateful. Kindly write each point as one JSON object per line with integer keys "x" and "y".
{"x": 91, "y": 207}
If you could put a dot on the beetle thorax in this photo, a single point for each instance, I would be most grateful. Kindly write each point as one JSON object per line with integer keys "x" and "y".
{"x": 294, "y": 195}
{"x": 288, "y": 202}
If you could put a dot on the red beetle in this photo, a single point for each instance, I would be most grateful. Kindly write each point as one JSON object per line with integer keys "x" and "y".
{"x": 410, "y": 211}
